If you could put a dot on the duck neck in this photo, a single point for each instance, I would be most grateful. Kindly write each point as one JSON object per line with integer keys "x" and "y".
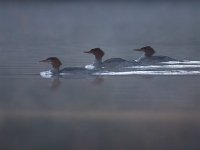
{"x": 97, "y": 63}
{"x": 56, "y": 67}
{"x": 147, "y": 55}
{"x": 55, "y": 70}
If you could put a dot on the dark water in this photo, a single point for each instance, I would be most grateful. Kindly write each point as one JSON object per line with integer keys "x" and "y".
{"x": 106, "y": 112}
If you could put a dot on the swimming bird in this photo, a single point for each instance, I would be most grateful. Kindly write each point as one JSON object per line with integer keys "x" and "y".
{"x": 112, "y": 63}
{"x": 149, "y": 58}
{"x": 56, "y": 63}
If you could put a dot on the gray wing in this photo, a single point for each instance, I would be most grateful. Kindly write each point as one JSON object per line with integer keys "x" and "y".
{"x": 116, "y": 62}
{"x": 155, "y": 59}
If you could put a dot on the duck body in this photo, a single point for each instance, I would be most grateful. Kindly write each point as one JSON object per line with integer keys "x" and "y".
{"x": 109, "y": 64}
{"x": 118, "y": 64}
{"x": 149, "y": 58}
{"x": 113, "y": 62}
{"x": 155, "y": 59}
{"x": 55, "y": 70}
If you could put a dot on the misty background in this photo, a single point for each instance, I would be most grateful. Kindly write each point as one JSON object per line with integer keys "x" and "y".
{"x": 106, "y": 112}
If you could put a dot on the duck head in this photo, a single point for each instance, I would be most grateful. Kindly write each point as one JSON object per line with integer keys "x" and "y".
{"x": 148, "y": 51}
{"x": 97, "y": 52}
{"x": 54, "y": 61}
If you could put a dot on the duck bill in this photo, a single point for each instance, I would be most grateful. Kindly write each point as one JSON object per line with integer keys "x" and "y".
{"x": 46, "y": 61}
{"x": 88, "y": 52}
{"x": 137, "y": 49}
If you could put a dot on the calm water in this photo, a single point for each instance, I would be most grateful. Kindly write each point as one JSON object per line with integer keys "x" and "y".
{"x": 105, "y": 112}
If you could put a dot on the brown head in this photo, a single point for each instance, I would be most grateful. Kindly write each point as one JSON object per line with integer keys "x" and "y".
{"x": 148, "y": 51}
{"x": 54, "y": 61}
{"x": 97, "y": 52}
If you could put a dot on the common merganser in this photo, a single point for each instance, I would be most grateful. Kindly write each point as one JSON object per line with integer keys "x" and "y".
{"x": 56, "y": 63}
{"x": 149, "y": 58}
{"x": 112, "y": 63}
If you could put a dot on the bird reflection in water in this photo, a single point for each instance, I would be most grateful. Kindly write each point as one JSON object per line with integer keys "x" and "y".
{"x": 98, "y": 80}
{"x": 56, "y": 80}
{"x": 55, "y": 83}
